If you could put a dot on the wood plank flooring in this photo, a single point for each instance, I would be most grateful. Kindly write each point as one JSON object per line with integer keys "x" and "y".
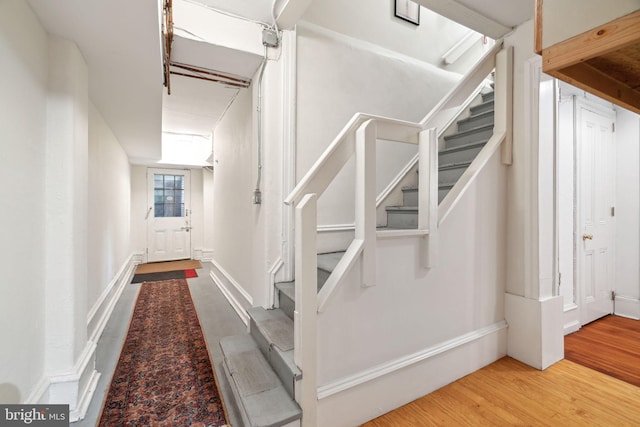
{"x": 510, "y": 393}
{"x": 610, "y": 345}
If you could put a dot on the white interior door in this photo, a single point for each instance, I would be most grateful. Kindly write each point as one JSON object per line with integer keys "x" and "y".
{"x": 168, "y": 215}
{"x": 595, "y": 201}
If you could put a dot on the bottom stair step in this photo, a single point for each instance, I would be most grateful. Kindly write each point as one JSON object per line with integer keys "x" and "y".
{"x": 259, "y": 393}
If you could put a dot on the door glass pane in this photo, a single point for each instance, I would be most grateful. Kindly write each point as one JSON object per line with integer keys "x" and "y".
{"x": 168, "y": 195}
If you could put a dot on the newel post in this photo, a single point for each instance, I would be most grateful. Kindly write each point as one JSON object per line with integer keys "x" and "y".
{"x": 504, "y": 101}
{"x": 365, "y": 216}
{"x": 305, "y": 313}
{"x": 428, "y": 195}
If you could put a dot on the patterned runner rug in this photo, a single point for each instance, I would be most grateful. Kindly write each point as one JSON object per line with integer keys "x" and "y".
{"x": 164, "y": 375}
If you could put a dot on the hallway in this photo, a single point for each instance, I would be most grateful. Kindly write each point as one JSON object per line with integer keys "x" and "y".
{"x": 217, "y": 320}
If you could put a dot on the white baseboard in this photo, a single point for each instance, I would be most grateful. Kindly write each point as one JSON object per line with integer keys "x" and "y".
{"x": 371, "y": 393}
{"x": 571, "y": 319}
{"x": 75, "y": 388}
{"x": 627, "y": 307}
{"x": 207, "y": 254}
{"x": 239, "y": 299}
{"x": 139, "y": 257}
{"x": 100, "y": 313}
{"x": 39, "y": 393}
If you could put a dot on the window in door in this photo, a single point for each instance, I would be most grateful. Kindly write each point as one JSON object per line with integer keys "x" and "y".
{"x": 168, "y": 195}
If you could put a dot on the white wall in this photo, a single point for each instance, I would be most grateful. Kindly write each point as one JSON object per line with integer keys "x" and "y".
{"x": 197, "y": 213}
{"x": 338, "y": 77}
{"x": 109, "y": 207}
{"x": 207, "y": 209}
{"x": 417, "y": 314}
{"x": 627, "y": 239}
{"x": 23, "y": 48}
{"x": 237, "y": 246}
{"x": 139, "y": 210}
{"x": 248, "y": 241}
{"x": 374, "y": 21}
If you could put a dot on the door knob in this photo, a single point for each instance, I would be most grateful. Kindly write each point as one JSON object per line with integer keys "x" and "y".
{"x": 587, "y": 237}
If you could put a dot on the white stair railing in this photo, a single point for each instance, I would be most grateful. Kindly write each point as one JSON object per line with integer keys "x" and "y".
{"x": 359, "y": 138}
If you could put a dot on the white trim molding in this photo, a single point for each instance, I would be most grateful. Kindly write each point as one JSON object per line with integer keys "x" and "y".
{"x": 239, "y": 299}
{"x": 627, "y": 307}
{"x": 332, "y": 228}
{"x": 368, "y": 394}
{"x": 100, "y": 313}
{"x": 76, "y": 387}
{"x": 38, "y": 394}
{"x": 408, "y": 360}
{"x": 571, "y": 319}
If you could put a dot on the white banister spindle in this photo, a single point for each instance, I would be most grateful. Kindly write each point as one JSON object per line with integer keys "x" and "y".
{"x": 305, "y": 314}
{"x": 428, "y": 195}
{"x": 365, "y": 215}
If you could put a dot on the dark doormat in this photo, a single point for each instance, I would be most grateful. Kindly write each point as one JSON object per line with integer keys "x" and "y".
{"x": 165, "y": 275}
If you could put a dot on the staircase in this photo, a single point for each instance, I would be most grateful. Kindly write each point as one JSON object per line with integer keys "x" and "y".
{"x": 259, "y": 365}
{"x": 454, "y": 158}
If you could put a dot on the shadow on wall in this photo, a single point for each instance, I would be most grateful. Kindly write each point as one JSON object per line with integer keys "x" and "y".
{"x": 9, "y": 394}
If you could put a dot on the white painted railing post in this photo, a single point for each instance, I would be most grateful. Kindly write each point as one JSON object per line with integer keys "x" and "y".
{"x": 305, "y": 313}
{"x": 504, "y": 101}
{"x": 365, "y": 214}
{"x": 428, "y": 195}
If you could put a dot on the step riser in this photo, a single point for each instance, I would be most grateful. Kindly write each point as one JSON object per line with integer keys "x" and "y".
{"x": 476, "y": 121}
{"x": 259, "y": 393}
{"x": 459, "y": 156}
{"x": 410, "y": 197}
{"x": 442, "y": 193}
{"x": 477, "y": 136}
{"x": 450, "y": 175}
{"x": 482, "y": 108}
{"x": 275, "y": 357}
{"x": 402, "y": 220}
{"x": 322, "y": 277}
{"x": 286, "y": 304}
{"x": 488, "y": 96}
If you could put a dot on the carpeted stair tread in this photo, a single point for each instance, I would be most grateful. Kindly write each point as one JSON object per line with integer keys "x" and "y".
{"x": 274, "y": 325}
{"x": 287, "y": 288}
{"x": 260, "y": 394}
{"x": 328, "y": 261}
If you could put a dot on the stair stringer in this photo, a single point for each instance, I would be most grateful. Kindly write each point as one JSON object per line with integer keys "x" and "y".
{"x": 418, "y": 329}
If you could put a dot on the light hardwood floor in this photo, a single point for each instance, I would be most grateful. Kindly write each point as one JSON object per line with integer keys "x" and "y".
{"x": 510, "y": 393}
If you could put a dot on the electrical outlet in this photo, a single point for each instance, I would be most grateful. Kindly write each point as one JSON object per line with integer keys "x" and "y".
{"x": 269, "y": 37}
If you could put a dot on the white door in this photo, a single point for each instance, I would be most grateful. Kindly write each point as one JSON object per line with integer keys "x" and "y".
{"x": 168, "y": 215}
{"x": 595, "y": 202}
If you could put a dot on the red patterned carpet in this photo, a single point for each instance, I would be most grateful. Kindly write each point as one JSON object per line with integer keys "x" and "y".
{"x": 164, "y": 375}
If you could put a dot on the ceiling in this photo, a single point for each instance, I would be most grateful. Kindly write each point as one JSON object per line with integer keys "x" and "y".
{"x": 120, "y": 41}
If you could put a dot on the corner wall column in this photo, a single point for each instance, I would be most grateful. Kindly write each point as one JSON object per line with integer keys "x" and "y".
{"x": 70, "y": 357}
